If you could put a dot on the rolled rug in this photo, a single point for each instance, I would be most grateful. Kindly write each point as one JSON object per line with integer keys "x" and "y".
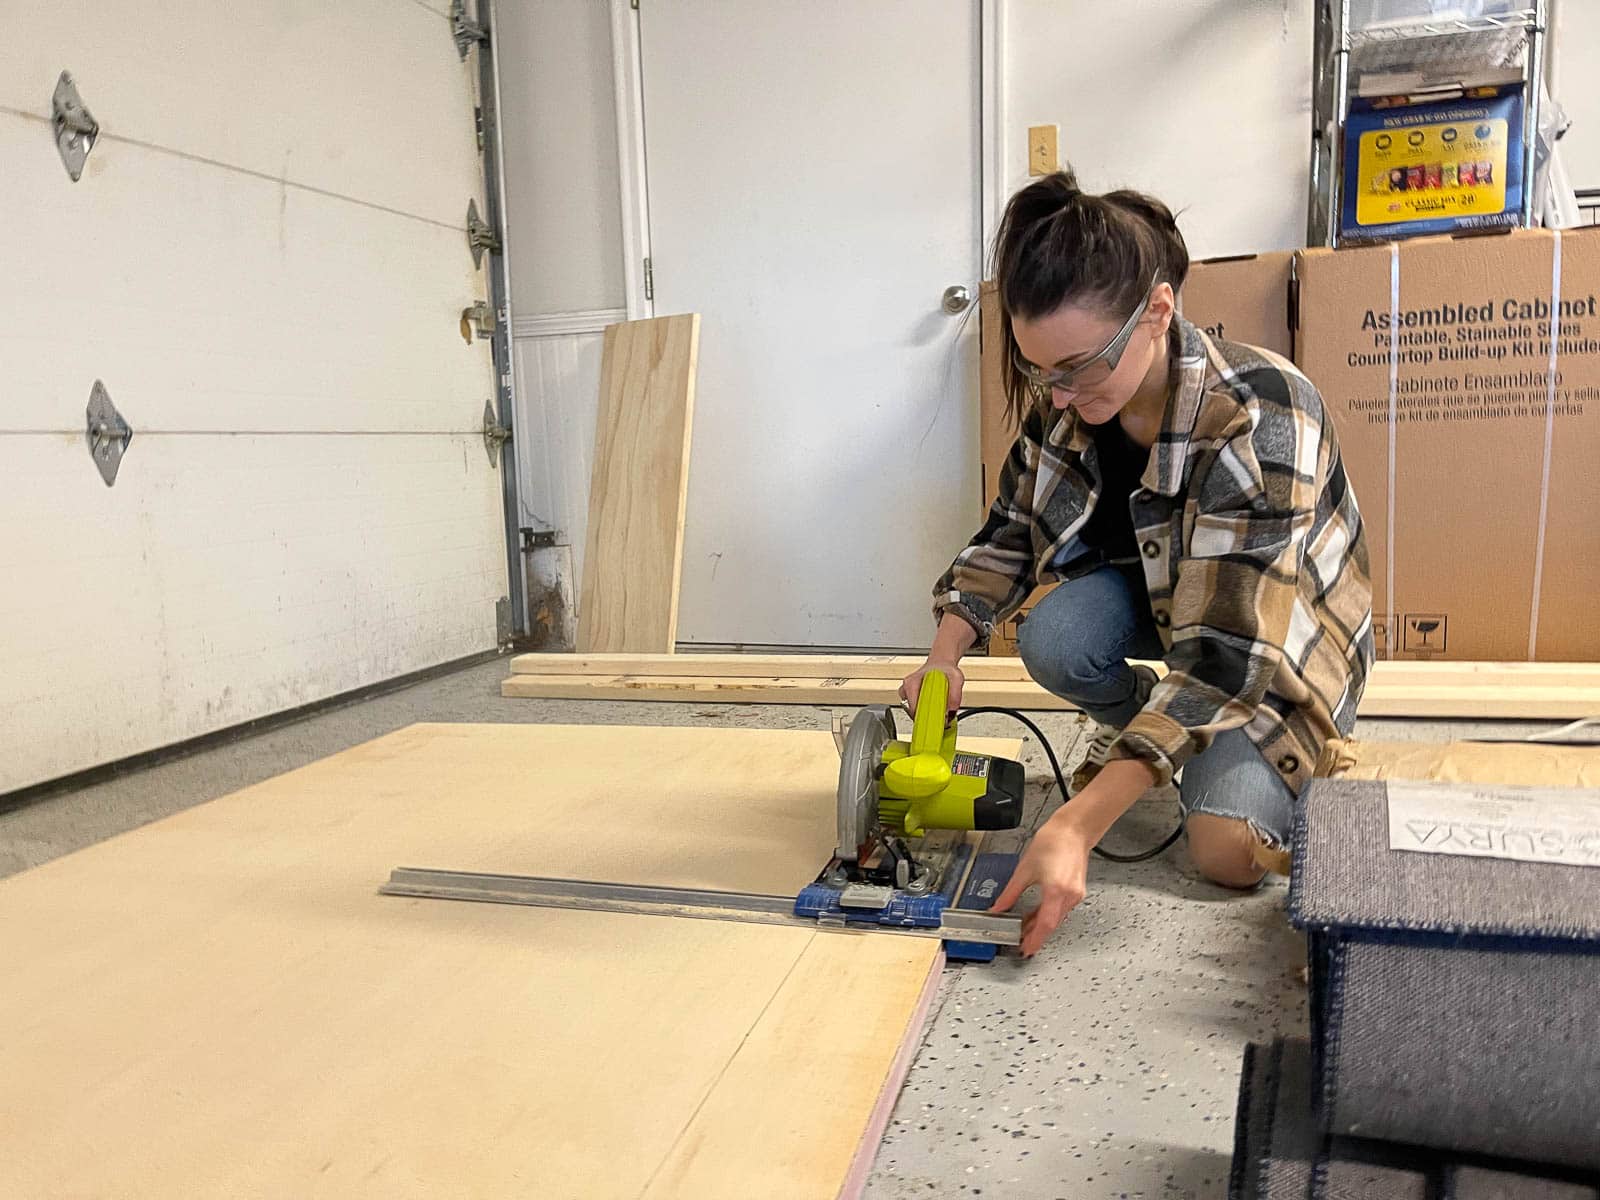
{"x": 1455, "y": 996}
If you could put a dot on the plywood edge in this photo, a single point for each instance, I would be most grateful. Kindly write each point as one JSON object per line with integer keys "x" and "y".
{"x": 675, "y": 598}
{"x": 855, "y": 1180}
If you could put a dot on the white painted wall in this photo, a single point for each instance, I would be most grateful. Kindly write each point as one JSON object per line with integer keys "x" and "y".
{"x": 565, "y": 220}
{"x": 1573, "y": 43}
{"x": 1205, "y": 104}
{"x": 558, "y": 391}
{"x": 815, "y": 216}
{"x": 564, "y": 226}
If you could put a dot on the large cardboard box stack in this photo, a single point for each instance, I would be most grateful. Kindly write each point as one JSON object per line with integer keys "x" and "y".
{"x": 1242, "y": 299}
{"x": 1477, "y": 470}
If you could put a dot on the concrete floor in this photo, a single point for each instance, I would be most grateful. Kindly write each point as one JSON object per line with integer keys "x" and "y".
{"x": 1105, "y": 1067}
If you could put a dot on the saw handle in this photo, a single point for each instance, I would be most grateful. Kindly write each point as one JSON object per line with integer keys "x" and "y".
{"x": 933, "y": 714}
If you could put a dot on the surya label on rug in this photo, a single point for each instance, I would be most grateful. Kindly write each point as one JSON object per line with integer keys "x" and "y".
{"x": 1525, "y": 824}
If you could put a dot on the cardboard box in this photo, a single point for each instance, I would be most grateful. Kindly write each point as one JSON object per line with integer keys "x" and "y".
{"x": 995, "y": 434}
{"x": 1478, "y": 476}
{"x": 996, "y": 437}
{"x": 1241, "y": 299}
{"x": 1244, "y": 299}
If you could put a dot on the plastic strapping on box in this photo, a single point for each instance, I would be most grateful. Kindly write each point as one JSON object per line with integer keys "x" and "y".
{"x": 1394, "y": 392}
{"x": 1549, "y": 439}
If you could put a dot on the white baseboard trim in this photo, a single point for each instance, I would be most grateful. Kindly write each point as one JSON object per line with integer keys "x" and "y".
{"x": 564, "y": 324}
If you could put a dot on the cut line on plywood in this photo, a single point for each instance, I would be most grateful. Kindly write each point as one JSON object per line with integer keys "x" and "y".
{"x": 733, "y": 1056}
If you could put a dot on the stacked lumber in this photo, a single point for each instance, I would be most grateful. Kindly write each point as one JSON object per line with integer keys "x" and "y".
{"x": 1529, "y": 691}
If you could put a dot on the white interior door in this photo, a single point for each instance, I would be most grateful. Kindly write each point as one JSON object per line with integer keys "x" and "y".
{"x": 265, "y": 262}
{"x": 813, "y": 177}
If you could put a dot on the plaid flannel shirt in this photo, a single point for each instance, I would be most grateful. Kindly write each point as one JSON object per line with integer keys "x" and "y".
{"x": 1253, "y": 555}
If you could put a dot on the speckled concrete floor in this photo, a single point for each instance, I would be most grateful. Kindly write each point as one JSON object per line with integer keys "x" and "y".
{"x": 1105, "y": 1067}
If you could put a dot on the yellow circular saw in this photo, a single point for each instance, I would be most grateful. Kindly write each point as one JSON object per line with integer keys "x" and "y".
{"x": 891, "y": 790}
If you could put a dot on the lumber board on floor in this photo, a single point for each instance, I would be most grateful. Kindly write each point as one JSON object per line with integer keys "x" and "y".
{"x": 226, "y": 985}
{"x": 1565, "y": 702}
{"x": 1468, "y": 698}
{"x": 770, "y": 666}
{"x": 639, "y": 486}
{"x": 727, "y": 690}
{"x": 896, "y": 666}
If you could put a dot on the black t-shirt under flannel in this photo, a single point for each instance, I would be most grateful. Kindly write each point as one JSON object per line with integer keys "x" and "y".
{"x": 1109, "y": 530}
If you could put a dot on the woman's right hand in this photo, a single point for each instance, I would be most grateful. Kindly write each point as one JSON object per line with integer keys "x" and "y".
{"x": 912, "y": 687}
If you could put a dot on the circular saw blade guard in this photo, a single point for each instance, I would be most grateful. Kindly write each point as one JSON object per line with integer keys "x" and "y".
{"x": 869, "y": 731}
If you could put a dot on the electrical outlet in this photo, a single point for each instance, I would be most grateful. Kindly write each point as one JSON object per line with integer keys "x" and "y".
{"x": 1042, "y": 154}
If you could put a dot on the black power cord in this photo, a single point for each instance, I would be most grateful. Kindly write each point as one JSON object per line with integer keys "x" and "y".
{"x": 1055, "y": 765}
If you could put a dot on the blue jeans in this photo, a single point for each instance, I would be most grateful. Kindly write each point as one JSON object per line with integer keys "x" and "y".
{"x": 1077, "y": 642}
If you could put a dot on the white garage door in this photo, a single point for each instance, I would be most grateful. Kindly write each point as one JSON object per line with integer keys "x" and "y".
{"x": 265, "y": 263}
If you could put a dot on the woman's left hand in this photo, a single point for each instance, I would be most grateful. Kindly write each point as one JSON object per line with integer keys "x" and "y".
{"x": 1057, "y": 859}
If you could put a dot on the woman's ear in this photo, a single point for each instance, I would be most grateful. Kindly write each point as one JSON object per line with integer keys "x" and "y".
{"x": 1163, "y": 307}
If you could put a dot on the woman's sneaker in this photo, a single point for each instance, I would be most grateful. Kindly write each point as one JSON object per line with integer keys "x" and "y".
{"x": 1106, "y": 736}
{"x": 1099, "y": 754}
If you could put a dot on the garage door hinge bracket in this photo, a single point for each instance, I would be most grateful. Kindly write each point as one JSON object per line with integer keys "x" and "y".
{"x": 502, "y": 620}
{"x": 107, "y": 433}
{"x": 649, "y": 280}
{"x": 477, "y": 320}
{"x": 495, "y": 434}
{"x": 480, "y": 235}
{"x": 467, "y": 33}
{"x": 74, "y": 125}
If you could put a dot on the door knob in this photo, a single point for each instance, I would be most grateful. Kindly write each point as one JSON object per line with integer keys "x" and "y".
{"x": 956, "y": 298}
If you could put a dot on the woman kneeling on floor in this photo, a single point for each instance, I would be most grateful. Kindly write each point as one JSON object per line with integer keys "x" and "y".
{"x": 1186, "y": 496}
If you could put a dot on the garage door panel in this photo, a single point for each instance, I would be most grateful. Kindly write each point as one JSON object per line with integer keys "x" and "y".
{"x": 265, "y": 263}
{"x": 210, "y": 300}
{"x": 362, "y": 98}
{"x": 258, "y": 588}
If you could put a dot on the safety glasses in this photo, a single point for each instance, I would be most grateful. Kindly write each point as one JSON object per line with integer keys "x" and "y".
{"x": 1094, "y": 370}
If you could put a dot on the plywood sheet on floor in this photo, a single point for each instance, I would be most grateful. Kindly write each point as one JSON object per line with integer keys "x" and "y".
{"x": 221, "y": 1004}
